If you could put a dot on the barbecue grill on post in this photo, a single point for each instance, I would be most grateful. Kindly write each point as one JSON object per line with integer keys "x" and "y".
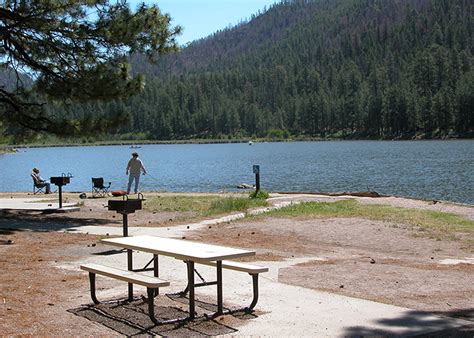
{"x": 60, "y": 181}
{"x": 127, "y": 206}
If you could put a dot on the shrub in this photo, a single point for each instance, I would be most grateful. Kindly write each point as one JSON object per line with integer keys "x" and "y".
{"x": 260, "y": 194}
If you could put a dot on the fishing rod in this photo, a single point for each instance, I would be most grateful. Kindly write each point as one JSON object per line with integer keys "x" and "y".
{"x": 153, "y": 178}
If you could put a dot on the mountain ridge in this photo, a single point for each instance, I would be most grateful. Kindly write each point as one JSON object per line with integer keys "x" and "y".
{"x": 314, "y": 68}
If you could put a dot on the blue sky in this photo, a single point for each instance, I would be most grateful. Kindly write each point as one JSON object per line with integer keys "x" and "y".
{"x": 199, "y": 18}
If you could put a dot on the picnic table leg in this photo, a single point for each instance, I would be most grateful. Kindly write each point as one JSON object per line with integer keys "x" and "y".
{"x": 151, "y": 305}
{"x": 190, "y": 265}
{"x": 130, "y": 268}
{"x": 255, "y": 292}
{"x": 92, "y": 283}
{"x": 220, "y": 308}
{"x": 156, "y": 271}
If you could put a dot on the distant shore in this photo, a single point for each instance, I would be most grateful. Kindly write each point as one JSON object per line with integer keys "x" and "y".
{"x": 10, "y": 148}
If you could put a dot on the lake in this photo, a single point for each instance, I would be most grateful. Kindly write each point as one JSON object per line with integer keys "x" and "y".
{"x": 441, "y": 170}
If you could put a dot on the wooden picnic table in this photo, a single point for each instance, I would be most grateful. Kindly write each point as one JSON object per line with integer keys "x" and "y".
{"x": 188, "y": 251}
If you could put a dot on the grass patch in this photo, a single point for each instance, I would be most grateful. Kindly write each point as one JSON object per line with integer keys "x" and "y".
{"x": 195, "y": 204}
{"x": 262, "y": 194}
{"x": 435, "y": 224}
{"x": 201, "y": 205}
{"x": 230, "y": 204}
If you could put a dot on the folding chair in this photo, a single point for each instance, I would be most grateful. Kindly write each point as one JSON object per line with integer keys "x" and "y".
{"x": 98, "y": 187}
{"x": 38, "y": 188}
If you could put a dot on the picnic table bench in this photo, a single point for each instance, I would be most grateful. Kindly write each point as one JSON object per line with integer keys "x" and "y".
{"x": 252, "y": 270}
{"x": 151, "y": 283}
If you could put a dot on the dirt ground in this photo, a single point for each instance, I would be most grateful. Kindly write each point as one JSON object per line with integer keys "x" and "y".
{"x": 374, "y": 260}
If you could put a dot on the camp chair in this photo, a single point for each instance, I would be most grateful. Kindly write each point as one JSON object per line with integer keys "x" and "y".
{"x": 38, "y": 188}
{"x": 98, "y": 187}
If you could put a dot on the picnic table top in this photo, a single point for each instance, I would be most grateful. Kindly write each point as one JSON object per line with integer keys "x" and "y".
{"x": 181, "y": 249}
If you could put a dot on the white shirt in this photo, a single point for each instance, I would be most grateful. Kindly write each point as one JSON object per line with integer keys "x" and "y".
{"x": 135, "y": 165}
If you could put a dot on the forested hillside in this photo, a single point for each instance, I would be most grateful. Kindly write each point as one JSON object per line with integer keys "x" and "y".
{"x": 322, "y": 68}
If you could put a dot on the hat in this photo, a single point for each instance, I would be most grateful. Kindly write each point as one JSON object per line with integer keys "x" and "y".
{"x": 36, "y": 170}
{"x": 135, "y": 154}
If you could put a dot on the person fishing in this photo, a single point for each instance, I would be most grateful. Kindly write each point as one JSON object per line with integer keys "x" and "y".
{"x": 134, "y": 167}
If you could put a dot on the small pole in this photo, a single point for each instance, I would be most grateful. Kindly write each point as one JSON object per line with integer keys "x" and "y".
{"x": 130, "y": 268}
{"x": 129, "y": 255}
{"x": 125, "y": 224}
{"x": 256, "y": 171}
{"x": 60, "y": 196}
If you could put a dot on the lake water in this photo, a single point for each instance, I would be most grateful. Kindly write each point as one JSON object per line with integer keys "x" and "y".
{"x": 441, "y": 170}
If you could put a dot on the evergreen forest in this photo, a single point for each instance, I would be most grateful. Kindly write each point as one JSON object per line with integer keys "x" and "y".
{"x": 356, "y": 69}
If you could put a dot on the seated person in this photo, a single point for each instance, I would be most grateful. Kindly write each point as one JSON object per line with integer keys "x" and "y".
{"x": 39, "y": 182}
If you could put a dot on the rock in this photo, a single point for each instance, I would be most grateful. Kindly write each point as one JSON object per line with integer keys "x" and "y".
{"x": 245, "y": 186}
{"x": 372, "y": 261}
{"x": 364, "y": 194}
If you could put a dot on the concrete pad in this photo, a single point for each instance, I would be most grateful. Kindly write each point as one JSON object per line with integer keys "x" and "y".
{"x": 36, "y": 204}
{"x": 467, "y": 260}
{"x": 285, "y": 310}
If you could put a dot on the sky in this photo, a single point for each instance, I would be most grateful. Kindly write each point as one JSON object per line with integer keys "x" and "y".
{"x": 200, "y": 18}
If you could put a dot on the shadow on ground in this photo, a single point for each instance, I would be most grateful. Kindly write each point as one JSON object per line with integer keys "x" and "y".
{"x": 415, "y": 323}
{"x": 30, "y": 221}
{"x": 131, "y": 318}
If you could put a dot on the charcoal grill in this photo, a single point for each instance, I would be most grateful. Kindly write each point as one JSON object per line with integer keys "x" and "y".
{"x": 126, "y": 206}
{"x": 60, "y": 181}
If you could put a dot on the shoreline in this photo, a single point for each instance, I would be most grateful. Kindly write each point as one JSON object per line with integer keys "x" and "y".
{"x": 11, "y": 148}
{"x": 370, "y": 195}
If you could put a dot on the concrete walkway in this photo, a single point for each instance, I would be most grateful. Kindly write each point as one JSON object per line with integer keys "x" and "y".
{"x": 36, "y": 204}
{"x": 283, "y": 310}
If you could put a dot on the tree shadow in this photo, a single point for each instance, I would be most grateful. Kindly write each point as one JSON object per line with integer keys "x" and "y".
{"x": 6, "y": 231}
{"x": 420, "y": 324}
{"x": 47, "y": 222}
